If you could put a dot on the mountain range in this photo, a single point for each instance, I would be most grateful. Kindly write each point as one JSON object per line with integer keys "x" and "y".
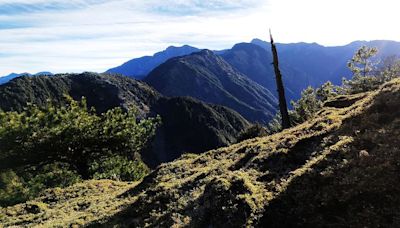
{"x": 242, "y": 77}
{"x": 302, "y": 65}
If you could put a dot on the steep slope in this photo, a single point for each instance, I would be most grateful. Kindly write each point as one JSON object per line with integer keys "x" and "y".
{"x": 192, "y": 126}
{"x": 138, "y": 68}
{"x": 255, "y": 62}
{"x": 102, "y": 91}
{"x": 207, "y": 77}
{"x": 337, "y": 170}
{"x": 201, "y": 126}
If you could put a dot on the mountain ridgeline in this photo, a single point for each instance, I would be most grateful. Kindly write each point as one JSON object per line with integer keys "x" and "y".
{"x": 208, "y": 77}
{"x": 11, "y": 76}
{"x": 188, "y": 125}
{"x": 140, "y": 67}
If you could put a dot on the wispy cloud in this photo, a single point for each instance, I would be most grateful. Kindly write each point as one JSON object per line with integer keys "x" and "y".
{"x": 94, "y": 35}
{"x": 168, "y": 7}
{"x": 16, "y": 7}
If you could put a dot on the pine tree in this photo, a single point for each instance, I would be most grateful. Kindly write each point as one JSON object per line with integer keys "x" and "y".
{"x": 364, "y": 71}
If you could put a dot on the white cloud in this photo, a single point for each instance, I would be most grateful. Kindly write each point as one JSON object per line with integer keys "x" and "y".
{"x": 97, "y": 37}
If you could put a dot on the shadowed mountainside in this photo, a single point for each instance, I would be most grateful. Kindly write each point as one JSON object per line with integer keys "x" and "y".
{"x": 207, "y": 77}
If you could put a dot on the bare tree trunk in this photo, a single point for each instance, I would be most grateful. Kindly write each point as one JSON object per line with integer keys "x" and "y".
{"x": 279, "y": 85}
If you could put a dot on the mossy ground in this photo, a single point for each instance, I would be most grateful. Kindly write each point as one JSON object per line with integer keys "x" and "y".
{"x": 338, "y": 169}
{"x": 73, "y": 206}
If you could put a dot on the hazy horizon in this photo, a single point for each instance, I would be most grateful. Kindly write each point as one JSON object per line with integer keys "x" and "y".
{"x": 88, "y": 35}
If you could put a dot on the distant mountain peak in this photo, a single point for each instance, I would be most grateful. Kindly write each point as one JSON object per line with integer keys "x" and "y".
{"x": 139, "y": 67}
{"x": 205, "y": 52}
{"x": 256, "y": 40}
{"x": 43, "y": 73}
{"x": 172, "y": 47}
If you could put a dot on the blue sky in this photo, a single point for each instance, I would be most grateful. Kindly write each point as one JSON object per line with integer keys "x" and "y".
{"x": 94, "y": 35}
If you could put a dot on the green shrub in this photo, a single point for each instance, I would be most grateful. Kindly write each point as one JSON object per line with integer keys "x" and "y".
{"x": 275, "y": 125}
{"x": 389, "y": 69}
{"x": 12, "y": 189}
{"x": 24, "y": 183}
{"x": 255, "y": 130}
{"x": 49, "y": 176}
{"x": 327, "y": 91}
{"x": 306, "y": 106}
{"x": 310, "y": 102}
{"x": 359, "y": 84}
{"x": 118, "y": 168}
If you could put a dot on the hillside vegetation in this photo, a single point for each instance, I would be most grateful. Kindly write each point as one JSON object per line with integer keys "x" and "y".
{"x": 215, "y": 126}
{"x": 338, "y": 169}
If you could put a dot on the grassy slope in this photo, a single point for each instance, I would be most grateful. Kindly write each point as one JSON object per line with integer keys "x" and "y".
{"x": 341, "y": 168}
